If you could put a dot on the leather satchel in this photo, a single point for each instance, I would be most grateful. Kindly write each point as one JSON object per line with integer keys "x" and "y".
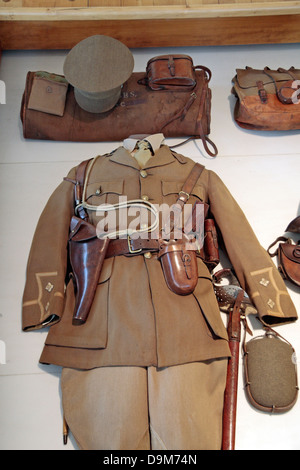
{"x": 267, "y": 99}
{"x": 171, "y": 72}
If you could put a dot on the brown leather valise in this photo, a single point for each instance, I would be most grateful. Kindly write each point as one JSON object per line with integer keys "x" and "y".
{"x": 140, "y": 110}
{"x": 267, "y": 99}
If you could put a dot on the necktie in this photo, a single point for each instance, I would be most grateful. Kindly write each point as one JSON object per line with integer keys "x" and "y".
{"x": 143, "y": 153}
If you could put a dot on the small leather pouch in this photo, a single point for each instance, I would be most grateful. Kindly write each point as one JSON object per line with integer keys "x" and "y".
{"x": 288, "y": 254}
{"x": 170, "y": 72}
{"x": 179, "y": 264}
{"x": 270, "y": 373}
{"x": 211, "y": 247}
{"x": 48, "y": 93}
{"x": 86, "y": 254}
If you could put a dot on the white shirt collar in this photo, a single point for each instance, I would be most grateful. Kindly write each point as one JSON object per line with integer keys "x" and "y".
{"x": 155, "y": 140}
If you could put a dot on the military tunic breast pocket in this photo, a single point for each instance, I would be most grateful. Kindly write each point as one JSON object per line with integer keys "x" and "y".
{"x": 104, "y": 192}
{"x": 171, "y": 189}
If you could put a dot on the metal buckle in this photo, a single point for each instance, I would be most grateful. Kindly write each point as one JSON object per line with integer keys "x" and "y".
{"x": 130, "y": 248}
{"x": 186, "y": 194}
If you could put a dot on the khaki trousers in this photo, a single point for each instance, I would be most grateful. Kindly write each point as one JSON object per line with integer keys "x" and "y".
{"x": 137, "y": 408}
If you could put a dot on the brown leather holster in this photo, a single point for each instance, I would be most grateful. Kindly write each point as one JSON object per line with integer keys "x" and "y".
{"x": 86, "y": 254}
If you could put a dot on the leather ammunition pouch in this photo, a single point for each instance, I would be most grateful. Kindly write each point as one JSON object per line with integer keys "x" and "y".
{"x": 211, "y": 247}
{"x": 179, "y": 264}
{"x": 178, "y": 256}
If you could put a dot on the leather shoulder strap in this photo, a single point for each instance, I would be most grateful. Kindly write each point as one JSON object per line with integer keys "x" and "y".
{"x": 183, "y": 197}
{"x": 79, "y": 184}
{"x": 189, "y": 184}
{"x": 79, "y": 180}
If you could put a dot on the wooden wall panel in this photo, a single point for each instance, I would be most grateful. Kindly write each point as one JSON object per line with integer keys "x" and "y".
{"x": 154, "y": 33}
{"x": 54, "y": 24}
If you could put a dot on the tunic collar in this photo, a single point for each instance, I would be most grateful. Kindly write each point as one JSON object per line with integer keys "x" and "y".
{"x": 163, "y": 156}
{"x": 155, "y": 140}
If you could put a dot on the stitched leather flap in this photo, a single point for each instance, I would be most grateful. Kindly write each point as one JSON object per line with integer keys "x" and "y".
{"x": 80, "y": 230}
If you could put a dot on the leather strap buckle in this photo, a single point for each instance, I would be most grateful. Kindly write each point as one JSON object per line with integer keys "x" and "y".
{"x": 262, "y": 92}
{"x": 130, "y": 248}
{"x": 185, "y": 196}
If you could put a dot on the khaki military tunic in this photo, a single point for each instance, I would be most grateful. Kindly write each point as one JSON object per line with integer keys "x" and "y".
{"x": 135, "y": 318}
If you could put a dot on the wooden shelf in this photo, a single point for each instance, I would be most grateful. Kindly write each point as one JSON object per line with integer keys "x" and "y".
{"x": 147, "y": 23}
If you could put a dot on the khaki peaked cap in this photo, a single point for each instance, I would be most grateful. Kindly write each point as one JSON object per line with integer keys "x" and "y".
{"x": 97, "y": 67}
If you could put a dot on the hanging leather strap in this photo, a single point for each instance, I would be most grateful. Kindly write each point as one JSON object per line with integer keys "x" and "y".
{"x": 279, "y": 239}
{"x": 199, "y": 127}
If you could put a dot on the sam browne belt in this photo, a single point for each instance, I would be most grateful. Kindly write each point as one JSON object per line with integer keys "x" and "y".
{"x": 88, "y": 249}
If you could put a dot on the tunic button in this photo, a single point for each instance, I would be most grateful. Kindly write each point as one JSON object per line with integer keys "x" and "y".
{"x": 143, "y": 173}
{"x": 147, "y": 255}
{"x": 145, "y": 198}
